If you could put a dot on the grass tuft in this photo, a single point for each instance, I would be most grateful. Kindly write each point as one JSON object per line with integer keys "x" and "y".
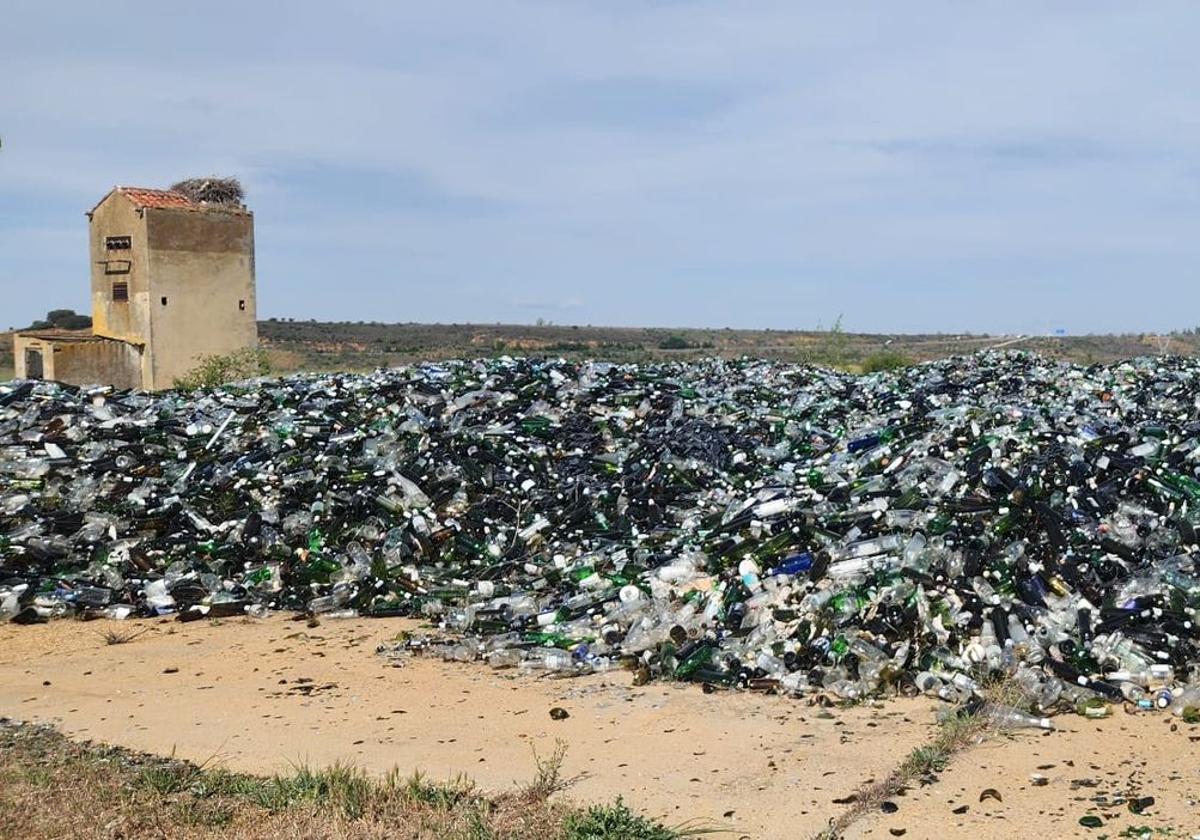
{"x": 924, "y": 761}
{"x": 121, "y": 636}
{"x": 339, "y": 787}
{"x": 444, "y": 796}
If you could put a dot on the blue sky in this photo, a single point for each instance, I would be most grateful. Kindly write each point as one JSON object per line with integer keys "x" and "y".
{"x": 1001, "y": 167}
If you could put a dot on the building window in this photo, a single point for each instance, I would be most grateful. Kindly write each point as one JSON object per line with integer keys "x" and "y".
{"x": 117, "y": 266}
{"x": 120, "y": 290}
{"x": 242, "y": 305}
{"x": 164, "y": 300}
{"x": 117, "y": 243}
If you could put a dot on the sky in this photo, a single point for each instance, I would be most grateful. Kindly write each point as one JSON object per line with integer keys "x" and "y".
{"x": 1003, "y": 167}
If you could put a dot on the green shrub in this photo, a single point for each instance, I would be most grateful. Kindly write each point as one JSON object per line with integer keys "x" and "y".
{"x": 885, "y": 360}
{"x": 231, "y": 367}
{"x": 675, "y": 342}
{"x": 614, "y": 822}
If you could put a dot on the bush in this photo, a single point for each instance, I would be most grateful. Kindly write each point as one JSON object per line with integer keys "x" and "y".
{"x": 675, "y": 342}
{"x": 231, "y": 367}
{"x": 615, "y": 822}
{"x": 885, "y": 360}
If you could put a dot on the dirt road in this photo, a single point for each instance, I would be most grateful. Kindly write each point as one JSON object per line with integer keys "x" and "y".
{"x": 258, "y": 695}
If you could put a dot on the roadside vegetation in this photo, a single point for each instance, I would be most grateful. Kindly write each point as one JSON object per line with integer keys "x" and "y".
{"x": 53, "y": 787}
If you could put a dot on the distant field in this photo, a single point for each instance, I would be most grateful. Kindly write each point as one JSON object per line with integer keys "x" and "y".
{"x": 315, "y": 345}
{"x": 294, "y": 345}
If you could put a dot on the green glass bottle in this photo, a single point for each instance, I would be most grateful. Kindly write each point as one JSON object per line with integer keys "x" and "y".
{"x": 697, "y": 659}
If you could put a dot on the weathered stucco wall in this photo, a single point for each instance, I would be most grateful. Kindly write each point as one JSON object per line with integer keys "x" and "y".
{"x": 100, "y": 362}
{"x": 202, "y": 265}
{"x": 124, "y": 320}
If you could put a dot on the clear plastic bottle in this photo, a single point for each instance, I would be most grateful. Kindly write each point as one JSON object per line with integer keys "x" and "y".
{"x": 1007, "y": 717}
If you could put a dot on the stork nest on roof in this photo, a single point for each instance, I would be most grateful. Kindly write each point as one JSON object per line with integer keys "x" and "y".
{"x": 211, "y": 190}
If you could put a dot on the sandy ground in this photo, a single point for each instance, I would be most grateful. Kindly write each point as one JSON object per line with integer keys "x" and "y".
{"x": 260, "y": 695}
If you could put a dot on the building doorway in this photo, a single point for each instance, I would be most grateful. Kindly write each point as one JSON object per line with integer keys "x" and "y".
{"x": 33, "y": 364}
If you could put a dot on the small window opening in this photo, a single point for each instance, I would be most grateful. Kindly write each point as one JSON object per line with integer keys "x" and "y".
{"x": 242, "y": 305}
{"x": 120, "y": 291}
{"x": 117, "y": 266}
{"x": 164, "y": 301}
{"x": 117, "y": 243}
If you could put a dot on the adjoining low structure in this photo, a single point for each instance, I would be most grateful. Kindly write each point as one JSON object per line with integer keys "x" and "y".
{"x": 78, "y": 358}
{"x": 172, "y": 282}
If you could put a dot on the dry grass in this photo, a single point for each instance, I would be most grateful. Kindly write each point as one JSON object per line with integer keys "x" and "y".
{"x": 53, "y": 787}
{"x": 547, "y": 778}
{"x": 120, "y": 636}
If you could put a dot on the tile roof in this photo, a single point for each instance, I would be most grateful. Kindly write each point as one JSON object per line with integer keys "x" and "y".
{"x": 144, "y": 197}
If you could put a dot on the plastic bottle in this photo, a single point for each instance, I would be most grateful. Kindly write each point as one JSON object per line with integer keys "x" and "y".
{"x": 1008, "y": 717}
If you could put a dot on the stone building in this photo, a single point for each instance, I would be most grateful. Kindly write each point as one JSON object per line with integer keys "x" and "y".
{"x": 172, "y": 282}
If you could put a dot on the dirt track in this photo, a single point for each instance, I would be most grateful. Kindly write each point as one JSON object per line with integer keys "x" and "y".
{"x": 260, "y": 695}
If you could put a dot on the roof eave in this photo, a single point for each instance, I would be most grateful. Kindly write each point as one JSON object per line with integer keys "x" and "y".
{"x": 96, "y": 206}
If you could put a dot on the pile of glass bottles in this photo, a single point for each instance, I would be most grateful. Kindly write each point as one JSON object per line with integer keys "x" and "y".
{"x": 731, "y": 522}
